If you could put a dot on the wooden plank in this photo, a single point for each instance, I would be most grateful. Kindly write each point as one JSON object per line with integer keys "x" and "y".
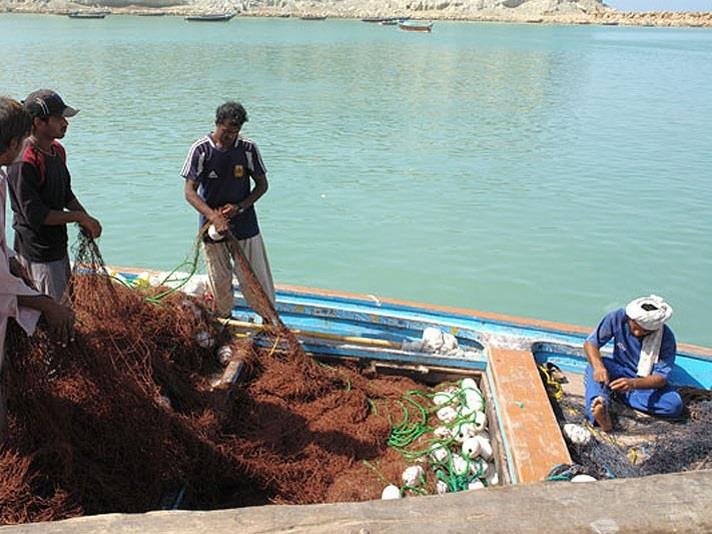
{"x": 664, "y": 503}
{"x": 533, "y": 435}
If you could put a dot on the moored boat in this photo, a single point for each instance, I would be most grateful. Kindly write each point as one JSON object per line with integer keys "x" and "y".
{"x": 415, "y": 26}
{"x": 86, "y": 15}
{"x": 505, "y": 350}
{"x": 382, "y": 20}
{"x": 313, "y": 17}
{"x": 382, "y": 336}
{"x": 211, "y": 17}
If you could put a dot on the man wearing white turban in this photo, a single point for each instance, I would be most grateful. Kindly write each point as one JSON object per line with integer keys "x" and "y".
{"x": 643, "y": 357}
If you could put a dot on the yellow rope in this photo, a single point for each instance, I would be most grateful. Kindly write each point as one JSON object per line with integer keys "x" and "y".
{"x": 276, "y": 342}
{"x": 553, "y": 387}
{"x": 603, "y": 436}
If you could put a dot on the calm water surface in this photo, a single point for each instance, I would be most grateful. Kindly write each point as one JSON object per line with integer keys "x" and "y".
{"x": 550, "y": 172}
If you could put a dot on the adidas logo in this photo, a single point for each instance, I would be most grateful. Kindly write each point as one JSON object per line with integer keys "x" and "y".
{"x": 213, "y": 174}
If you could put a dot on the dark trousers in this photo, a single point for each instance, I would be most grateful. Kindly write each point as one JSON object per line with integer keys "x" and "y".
{"x": 664, "y": 401}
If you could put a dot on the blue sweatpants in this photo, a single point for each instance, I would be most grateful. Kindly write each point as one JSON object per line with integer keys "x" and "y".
{"x": 664, "y": 401}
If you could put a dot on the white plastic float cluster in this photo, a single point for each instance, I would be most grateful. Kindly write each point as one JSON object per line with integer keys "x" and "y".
{"x": 196, "y": 286}
{"x": 435, "y": 341}
{"x": 461, "y": 449}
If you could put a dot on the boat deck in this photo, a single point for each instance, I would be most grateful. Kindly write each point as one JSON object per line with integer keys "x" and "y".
{"x": 359, "y": 326}
{"x": 632, "y": 428}
{"x": 635, "y": 437}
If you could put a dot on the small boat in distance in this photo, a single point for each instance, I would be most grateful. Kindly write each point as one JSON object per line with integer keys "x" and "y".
{"x": 313, "y": 17}
{"x": 385, "y": 21}
{"x": 211, "y": 17}
{"x": 86, "y": 15}
{"x": 416, "y": 26}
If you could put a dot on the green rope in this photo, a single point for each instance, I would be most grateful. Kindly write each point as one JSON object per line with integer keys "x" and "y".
{"x": 193, "y": 264}
{"x": 406, "y": 432}
{"x": 417, "y": 408}
{"x": 377, "y": 471}
{"x": 414, "y": 489}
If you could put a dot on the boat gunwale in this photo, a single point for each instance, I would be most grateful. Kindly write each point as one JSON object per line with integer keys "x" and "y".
{"x": 468, "y": 313}
{"x": 554, "y": 327}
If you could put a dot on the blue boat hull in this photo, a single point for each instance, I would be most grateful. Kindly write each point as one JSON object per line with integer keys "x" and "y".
{"x": 370, "y": 317}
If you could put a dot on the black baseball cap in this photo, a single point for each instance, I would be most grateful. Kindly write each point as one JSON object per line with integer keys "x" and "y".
{"x": 45, "y": 102}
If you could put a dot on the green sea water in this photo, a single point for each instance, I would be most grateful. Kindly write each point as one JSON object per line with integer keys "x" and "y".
{"x": 546, "y": 171}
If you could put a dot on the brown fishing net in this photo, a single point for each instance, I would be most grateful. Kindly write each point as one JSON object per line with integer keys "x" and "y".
{"x": 126, "y": 418}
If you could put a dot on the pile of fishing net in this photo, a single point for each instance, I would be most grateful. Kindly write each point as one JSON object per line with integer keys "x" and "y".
{"x": 126, "y": 418}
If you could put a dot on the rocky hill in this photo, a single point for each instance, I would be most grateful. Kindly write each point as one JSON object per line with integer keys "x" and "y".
{"x": 337, "y": 8}
{"x": 532, "y": 11}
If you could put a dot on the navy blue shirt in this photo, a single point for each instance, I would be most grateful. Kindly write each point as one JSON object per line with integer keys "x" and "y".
{"x": 223, "y": 177}
{"x": 626, "y": 348}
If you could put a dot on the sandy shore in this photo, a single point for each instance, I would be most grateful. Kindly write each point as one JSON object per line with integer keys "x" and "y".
{"x": 608, "y": 17}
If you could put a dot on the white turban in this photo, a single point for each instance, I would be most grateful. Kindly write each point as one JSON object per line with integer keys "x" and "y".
{"x": 651, "y": 319}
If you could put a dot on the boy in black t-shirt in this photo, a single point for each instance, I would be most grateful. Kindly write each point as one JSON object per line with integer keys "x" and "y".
{"x": 42, "y": 198}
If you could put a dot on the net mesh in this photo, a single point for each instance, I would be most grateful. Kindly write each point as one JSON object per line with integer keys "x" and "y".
{"x": 640, "y": 445}
{"x": 126, "y": 417}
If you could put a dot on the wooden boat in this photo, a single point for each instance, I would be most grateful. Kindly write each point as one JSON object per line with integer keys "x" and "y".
{"x": 313, "y": 17}
{"x": 382, "y": 20}
{"x": 86, "y": 15}
{"x": 504, "y": 351}
{"x": 212, "y": 17}
{"x": 377, "y": 322}
{"x": 416, "y": 26}
{"x": 357, "y": 325}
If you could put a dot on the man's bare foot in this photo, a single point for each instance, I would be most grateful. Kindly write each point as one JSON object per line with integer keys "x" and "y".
{"x": 601, "y": 415}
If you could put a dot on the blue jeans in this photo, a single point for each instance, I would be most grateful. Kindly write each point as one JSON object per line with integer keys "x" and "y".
{"x": 664, "y": 401}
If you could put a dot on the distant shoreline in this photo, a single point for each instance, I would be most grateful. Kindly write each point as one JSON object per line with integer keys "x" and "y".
{"x": 665, "y": 19}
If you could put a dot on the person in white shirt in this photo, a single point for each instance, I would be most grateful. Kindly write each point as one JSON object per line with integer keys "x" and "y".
{"x": 17, "y": 298}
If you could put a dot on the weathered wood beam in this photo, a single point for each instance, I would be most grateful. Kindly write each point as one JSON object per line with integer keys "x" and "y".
{"x": 679, "y": 502}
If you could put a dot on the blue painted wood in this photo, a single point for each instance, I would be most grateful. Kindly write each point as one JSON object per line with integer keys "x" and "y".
{"x": 689, "y": 370}
{"x": 369, "y": 317}
{"x": 478, "y": 363}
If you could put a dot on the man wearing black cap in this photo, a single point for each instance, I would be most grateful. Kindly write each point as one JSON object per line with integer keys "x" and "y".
{"x": 42, "y": 198}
